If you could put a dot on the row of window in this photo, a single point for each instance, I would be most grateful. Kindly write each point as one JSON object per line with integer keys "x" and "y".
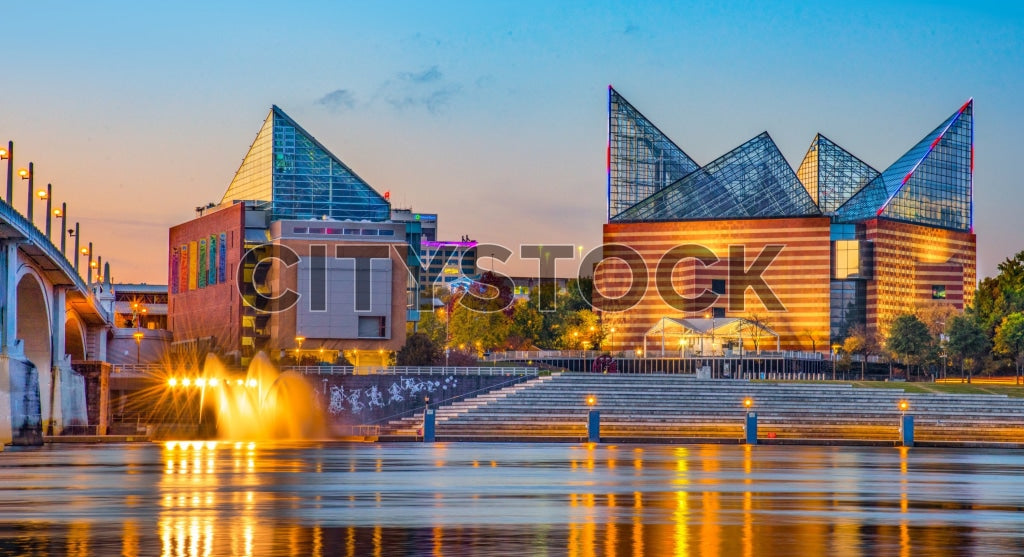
{"x": 343, "y": 231}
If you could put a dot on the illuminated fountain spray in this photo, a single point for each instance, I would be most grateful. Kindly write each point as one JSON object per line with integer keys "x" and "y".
{"x": 266, "y": 404}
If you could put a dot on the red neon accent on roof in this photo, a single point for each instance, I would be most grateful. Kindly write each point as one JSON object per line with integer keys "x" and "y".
{"x": 936, "y": 142}
{"x": 907, "y": 177}
{"x": 608, "y": 159}
{"x": 879, "y": 213}
{"x": 966, "y": 104}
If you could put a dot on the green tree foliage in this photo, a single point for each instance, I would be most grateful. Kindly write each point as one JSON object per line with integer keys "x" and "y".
{"x": 581, "y": 331}
{"x": 967, "y": 342}
{"x": 910, "y": 339}
{"x": 527, "y": 327}
{"x": 432, "y": 324}
{"x": 419, "y": 350}
{"x": 1009, "y": 339}
{"x": 480, "y": 330}
{"x": 1000, "y": 296}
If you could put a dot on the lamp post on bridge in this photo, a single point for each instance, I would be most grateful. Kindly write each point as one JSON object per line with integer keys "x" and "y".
{"x": 8, "y": 153}
{"x": 28, "y": 174}
{"x": 46, "y": 195}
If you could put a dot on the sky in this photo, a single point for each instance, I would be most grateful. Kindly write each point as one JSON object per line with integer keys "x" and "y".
{"x": 491, "y": 114}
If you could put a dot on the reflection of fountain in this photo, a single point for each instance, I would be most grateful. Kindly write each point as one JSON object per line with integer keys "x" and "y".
{"x": 266, "y": 404}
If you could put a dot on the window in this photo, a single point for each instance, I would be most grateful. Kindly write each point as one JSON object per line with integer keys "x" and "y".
{"x": 717, "y": 312}
{"x": 718, "y": 286}
{"x": 938, "y": 291}
{"x": 372, "y": 327}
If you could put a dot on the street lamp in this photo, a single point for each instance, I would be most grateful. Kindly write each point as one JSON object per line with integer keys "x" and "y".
{"x": 29, "y": 175}
{"x": 62, "y": 214}
{"x": 45, "y": 195}
{"x": 137, "y": 335}
{"x": 835, "y": 358}
{"x": 8, "y": 154}
{"x": 299, "y": 339}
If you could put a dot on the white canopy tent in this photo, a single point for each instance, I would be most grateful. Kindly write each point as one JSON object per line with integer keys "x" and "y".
{"x": 706, "y": 336}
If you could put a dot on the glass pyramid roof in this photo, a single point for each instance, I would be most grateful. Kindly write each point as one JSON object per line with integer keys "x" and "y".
{"x": 641, "y": 159}
{"x": 931, "y": 184}
{"x": 292, "y": 174}
{"x": 752, "y": 180}
{"x": 831, "y": 174}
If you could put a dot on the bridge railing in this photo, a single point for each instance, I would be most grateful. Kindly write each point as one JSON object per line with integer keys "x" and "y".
{"x": 36, "y": 236}
{"x": 652, "y": 353}
{"x": 492, "y": 371}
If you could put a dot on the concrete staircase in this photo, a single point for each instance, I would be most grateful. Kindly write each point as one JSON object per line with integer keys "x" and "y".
{"x": 680, "y": 407}
{"x": 410, "y": 425}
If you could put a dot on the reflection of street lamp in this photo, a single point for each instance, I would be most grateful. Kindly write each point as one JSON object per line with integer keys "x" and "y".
{"x": 138, "y": 346}
{"x": 299, "y": 339}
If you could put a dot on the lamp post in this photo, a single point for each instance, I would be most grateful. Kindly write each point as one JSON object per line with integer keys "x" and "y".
{"x": 29, "y": 175}
{"x": 137, "y": 335}
{"x": 61, "y": 214}
{"x": 8, "y": 154}
{"x": 45, "y": 195}
{"x": 299, "y": 339}
{"x": 75, "y": 234}
{"x": 835, "y": 359}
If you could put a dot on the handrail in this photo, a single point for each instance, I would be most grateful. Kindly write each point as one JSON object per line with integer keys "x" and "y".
{"x": 29, "y": 230}
{"x": 412, "y": 370}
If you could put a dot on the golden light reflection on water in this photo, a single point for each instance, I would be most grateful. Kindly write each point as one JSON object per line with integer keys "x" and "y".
{"x": 714, "y": 500}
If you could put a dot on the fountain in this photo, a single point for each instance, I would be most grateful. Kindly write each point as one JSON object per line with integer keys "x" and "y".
{"x": 265, "y": 405}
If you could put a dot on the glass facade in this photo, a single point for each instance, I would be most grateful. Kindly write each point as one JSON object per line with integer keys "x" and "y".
{"x": 931, "y": 184}
{"x": 831, "y": 175}
{"x": 300, "y": 179}
{"x": 641, "y": 159}
{"x": 752, "y": 180}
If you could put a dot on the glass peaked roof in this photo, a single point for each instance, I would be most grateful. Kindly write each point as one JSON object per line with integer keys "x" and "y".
{"x": 641, "y": 159}
{"x": 831, "y": 174}
{"x": 752, "y": 180}
{"x": 290, "y": 172}
{"x": 931, "y": 184}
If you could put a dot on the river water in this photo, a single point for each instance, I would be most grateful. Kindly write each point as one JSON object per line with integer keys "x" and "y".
{"x": 509, "y": 499}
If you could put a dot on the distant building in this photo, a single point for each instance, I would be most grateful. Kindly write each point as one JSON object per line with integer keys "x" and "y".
{"x": 140, "y": 334}
{"x": 811, "y": 253}
{"x": 299, "y": 260}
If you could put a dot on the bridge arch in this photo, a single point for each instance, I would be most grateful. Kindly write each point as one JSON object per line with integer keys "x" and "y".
{"x": 33, "y": 319}
{"x": 74, "y": 337}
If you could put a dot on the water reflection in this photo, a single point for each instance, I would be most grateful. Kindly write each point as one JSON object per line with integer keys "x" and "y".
{"x": 209, "y": 498}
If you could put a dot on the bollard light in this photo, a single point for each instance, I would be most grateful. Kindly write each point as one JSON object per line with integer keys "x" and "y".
{"x": 748, "y": 403}
{"x": 903, "y": 405}
{"x": 591, "y": 400}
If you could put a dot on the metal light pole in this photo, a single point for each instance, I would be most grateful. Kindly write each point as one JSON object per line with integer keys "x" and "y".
{"x": 77, "y": 239}
{"x": 30, "y": 176}
{"x": 8, "y": 154}
{"x": 47, "y": 195}
{"x": 62, "y": 215}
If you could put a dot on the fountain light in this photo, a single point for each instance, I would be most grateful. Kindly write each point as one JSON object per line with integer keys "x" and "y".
{"x": 186, "y": 381}
{"x": 173, "y": 383}
{"x": 211, "y": 445}
{"x": 239, "y": 382}
{"x": 171, "y": 445}
{"x": 213, "y": 382}
{"x": 252, "y": 383}
{"x": 200, "y": 382}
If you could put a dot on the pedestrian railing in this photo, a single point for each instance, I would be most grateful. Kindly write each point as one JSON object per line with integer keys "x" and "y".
{"x": 489, "y": 371}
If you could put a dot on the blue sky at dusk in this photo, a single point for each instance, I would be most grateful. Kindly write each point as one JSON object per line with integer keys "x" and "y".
{"x": 493, "y": 115}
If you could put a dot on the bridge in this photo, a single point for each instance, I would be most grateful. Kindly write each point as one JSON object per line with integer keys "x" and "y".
{"x": 54, "y": 328}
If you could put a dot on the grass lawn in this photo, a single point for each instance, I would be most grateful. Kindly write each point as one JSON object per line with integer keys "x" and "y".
{"x": 948, "y": 388}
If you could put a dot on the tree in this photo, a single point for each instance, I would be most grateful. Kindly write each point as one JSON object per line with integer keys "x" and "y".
{"x": 909, "y": 339}
{"x": 432, "y": 324}
{"x": 863, "y": 343}
{"x": 527, "y": 326}
{"x": 1009, "y": 340}
{"x": 812, "y": 336}
{"x": 967, "y": 341}
{"x": 419, "y": 350}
